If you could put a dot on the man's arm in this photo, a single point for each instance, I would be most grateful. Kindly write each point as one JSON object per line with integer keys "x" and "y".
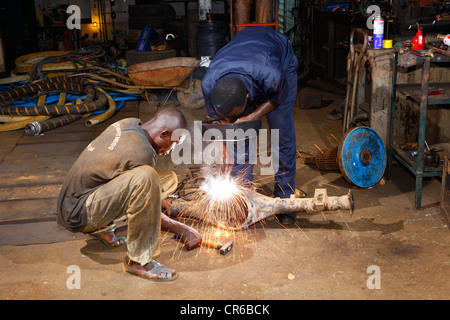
{"x": 190, "y": 237}
{"x": 260, "y": 112}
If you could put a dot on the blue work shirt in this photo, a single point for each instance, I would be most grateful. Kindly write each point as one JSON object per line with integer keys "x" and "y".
{"x": 262, "y": 58}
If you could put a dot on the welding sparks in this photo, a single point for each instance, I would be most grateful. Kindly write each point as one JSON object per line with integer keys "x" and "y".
{"x": 223, "y": 198}
{"x": 220, "y": 188}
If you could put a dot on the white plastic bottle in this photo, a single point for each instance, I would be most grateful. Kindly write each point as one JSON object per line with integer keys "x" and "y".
{"x": 446, "y": 40}
{"x": 378, "y": 32}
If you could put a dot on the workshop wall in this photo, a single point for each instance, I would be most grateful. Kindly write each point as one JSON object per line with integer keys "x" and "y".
{"x": 50, "y": 15}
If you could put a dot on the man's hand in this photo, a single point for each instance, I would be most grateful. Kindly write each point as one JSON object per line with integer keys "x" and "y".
{"x": 244, "y": 119}
{"x": 191, "y": 238}
{"x": 260, "y": 112}
{"x": 166, "y": 204}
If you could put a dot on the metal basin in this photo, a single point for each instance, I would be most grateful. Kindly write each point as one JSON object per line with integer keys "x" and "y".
{"x": 170, "y": 72}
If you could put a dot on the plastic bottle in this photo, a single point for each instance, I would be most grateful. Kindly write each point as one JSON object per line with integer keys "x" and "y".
{"x": 445, "y": 38}
{"x": 418, "y": 42}
{"x": 378, "y": 31}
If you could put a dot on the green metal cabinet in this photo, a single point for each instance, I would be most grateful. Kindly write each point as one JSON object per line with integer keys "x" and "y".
{"x": 419, "y": 93}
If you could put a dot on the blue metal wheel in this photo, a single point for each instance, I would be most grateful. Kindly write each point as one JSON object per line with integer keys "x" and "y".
{"x": 362, "y": 157}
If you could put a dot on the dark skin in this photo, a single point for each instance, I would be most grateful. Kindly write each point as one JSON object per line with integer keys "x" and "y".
{"x": 159, "y": 133}
{"x": 235, "y": 117}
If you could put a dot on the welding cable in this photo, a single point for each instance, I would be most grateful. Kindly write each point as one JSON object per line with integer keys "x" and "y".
{"x": 26, "y": 63}
{"x": 14, "y": 79}
{"x": 106, "y": 115}
{"x": 21, "y": 123}
{"x": 77, "y": 84}
{"x": 35, "y": 127}
{"x": 64, "y": 113}
{"x": 13, "y": 118}
{"x": 120, "y": 98}
{"x": 64, "y": 63}
{"x": 57, "y": 60}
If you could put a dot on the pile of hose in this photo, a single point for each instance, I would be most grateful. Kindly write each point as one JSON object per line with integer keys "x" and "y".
{"x": 60, "y": 114}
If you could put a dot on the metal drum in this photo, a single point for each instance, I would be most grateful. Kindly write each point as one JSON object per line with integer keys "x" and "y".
{"x": 362, "y": 157}
{"x": 211, "y": 37}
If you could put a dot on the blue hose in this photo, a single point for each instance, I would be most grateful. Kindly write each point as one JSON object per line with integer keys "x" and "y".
{"x": 53, "y": 98}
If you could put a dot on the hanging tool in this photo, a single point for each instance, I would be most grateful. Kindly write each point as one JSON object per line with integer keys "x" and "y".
{"x": 353, "y": 66}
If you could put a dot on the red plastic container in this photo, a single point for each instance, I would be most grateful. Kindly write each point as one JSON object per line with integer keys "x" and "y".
{"x": 418, "y": 42}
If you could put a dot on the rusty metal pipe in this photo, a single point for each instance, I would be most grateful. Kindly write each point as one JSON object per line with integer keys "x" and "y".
{"x": 242, "y": 10}
{"x": 260, "y": 207}
{"x": 264, "y": 11}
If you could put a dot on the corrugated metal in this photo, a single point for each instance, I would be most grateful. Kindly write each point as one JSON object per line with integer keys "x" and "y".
{"x": 285, "y": 18}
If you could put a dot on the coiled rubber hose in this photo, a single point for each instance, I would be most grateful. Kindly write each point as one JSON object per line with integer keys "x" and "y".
{"x": 63, "y": 114}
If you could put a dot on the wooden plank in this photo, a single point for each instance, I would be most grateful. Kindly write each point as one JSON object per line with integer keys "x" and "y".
{"x": 26, "y": 192}
{"x": 33, "y": 151}
{"x": 18, "y": 210}
{"x": 36, "y": 233}
{"x": 51, "y": 137}
{"x": 35, "y": 171}
{"x": 9, "y": 141}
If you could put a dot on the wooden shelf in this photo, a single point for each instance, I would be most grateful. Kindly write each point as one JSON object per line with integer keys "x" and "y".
{"x": 438, "y": 93}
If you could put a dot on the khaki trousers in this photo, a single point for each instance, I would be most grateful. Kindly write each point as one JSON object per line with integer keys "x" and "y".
{"x": 136, "y": 195}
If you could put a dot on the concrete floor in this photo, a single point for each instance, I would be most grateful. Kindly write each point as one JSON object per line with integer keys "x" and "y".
{"x": 323, "y": 256}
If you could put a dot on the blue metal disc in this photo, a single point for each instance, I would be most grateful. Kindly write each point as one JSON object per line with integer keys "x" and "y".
{"x": 362, "y": 157}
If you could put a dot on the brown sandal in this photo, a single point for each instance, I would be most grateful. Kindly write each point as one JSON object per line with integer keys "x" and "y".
{"x": 157, "y": 273}
{"x": 116, "y": 241}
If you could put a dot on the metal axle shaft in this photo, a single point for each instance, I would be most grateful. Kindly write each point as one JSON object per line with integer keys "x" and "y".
{"x": 259, "y": 207}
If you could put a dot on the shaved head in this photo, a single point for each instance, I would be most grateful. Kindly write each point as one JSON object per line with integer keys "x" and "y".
{"x": 161, "y": 127}
{"x": 170, "y": 119}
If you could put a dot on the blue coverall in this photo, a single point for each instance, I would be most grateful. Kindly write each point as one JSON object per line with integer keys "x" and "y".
{"x": 265, "y": 61}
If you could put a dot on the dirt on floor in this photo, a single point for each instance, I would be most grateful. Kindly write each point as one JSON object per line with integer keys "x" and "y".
{"x": 386, "y": 249}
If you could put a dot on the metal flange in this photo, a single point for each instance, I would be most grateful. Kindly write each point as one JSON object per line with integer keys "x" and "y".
{"x": 362, "y": 157}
